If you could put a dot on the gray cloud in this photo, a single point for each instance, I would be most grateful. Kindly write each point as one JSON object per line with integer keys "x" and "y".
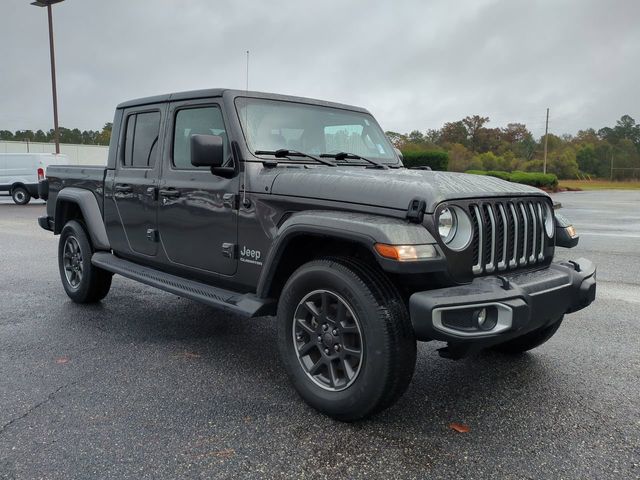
{"x": 414, "y": 64}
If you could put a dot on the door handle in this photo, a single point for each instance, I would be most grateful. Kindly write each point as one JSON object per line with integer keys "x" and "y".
{"x": 170, "y": 192}
{"x": 152, "y": 192}
{"x": 122, "y": 188}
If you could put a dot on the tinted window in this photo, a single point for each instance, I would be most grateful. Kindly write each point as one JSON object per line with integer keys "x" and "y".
{"x": 195, "y": 121}
{"x": 141, "y": 141}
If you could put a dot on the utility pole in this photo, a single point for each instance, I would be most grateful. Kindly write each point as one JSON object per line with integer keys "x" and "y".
{"x": 611, "y": 176}
{"x": 48, "y": 3}
{"x": 546, "y": 136}
{"x": 56, "y": 132}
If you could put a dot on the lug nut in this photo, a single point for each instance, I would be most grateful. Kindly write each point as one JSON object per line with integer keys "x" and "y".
{"x": 336, "y": 347}
{"x": 326, "y": 350}
{"x": 335, "y": 332}
{"x": 319, "y": 338}
{"x": 325, "y": 327}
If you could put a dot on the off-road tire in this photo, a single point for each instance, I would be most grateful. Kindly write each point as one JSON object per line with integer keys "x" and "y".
{"x": 388, "y": 341}
{"x": 94, "y": 283}
{"x": 20, "y": 196}
{"x": 530, "y": 340}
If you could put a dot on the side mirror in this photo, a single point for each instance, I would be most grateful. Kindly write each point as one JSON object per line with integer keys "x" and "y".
{"x": 207, "y": 151}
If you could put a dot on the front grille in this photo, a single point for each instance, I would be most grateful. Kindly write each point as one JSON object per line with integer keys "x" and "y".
{"x": 507, "y": 235}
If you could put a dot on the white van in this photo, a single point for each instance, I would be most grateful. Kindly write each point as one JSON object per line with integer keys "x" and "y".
{"x": 21, "y": 172}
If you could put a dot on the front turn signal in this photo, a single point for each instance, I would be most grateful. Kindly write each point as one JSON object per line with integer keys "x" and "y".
{"x": 406, "y": 253}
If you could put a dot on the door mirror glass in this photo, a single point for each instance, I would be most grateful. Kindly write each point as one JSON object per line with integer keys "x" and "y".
{"x": 207, "y": 151}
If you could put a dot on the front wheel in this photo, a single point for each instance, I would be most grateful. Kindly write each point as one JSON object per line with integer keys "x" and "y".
{"x": 20, "y": 196}
{"x": 345, "y": 338}
{"x": 83, "y": 282}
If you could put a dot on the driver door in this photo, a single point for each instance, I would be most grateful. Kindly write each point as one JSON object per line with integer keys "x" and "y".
{"x": 197, "y": 212}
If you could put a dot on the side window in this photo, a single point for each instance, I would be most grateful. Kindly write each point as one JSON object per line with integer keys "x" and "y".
{"x": 195, "y": 121}
{"x": 141, "y": 141}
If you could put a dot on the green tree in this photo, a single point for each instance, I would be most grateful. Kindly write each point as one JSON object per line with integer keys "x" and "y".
{"x": 474, "y": 125}
{"x": 453, "y": 132}
{"x": 459, "y": 158}
{"x": 563, "y": 163}
{"x": 415, "y": 136}
{"x": 626, "y": 128}
{"x": 104, "y": 136}
{"x": 587, "y": 159}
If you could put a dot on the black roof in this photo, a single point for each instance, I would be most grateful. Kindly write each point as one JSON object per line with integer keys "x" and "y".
{"x": 219, "y": 92}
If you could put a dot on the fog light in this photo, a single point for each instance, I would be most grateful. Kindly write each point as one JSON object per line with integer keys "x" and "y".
{"x": 483, "y": 320}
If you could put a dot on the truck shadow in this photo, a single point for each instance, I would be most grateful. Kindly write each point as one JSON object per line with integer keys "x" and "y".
{"x": 441, "y": 390}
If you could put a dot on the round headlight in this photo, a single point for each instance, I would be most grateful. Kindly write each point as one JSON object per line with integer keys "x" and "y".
{"x": 454, "y": 227}
{"x": 549, "y": 223}
{"x": 447, "y": 223}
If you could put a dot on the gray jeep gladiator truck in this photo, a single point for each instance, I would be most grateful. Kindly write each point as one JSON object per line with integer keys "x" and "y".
{"x": 267, "y": 204}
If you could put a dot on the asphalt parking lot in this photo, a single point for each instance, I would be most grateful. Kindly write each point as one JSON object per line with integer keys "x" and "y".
{"x": 149, "y": 385}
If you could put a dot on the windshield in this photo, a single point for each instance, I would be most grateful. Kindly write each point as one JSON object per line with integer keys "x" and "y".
{"x": 272, "y": 125}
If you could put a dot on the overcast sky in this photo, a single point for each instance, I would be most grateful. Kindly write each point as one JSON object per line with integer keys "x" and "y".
{"x": 414, "y": 64}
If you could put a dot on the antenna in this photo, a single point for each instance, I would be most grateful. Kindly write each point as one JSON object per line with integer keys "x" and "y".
{"x": 246, "y": 126}
{"x": 247, "y": 87}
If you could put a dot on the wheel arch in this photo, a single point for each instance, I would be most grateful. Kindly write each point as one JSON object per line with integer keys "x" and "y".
{"x": 305, "y": 236}
{"x": 78, "y": 203}
{"x": 18, "y": 184}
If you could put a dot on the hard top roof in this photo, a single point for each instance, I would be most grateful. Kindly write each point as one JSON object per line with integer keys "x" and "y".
{"x": 219, "y": 92}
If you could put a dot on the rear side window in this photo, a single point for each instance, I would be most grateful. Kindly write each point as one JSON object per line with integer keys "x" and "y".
{"x": 195, "y": 121}
{"x": 141, "y": 141}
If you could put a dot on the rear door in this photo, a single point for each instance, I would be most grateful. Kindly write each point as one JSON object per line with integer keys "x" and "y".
{"x": 197, "y": 212}
{"x": 134, "y": 187}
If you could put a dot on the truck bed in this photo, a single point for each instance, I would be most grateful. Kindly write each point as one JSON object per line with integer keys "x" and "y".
{"x": 88, "y": 177}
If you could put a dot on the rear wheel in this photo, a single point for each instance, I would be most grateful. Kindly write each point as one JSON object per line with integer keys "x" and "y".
{"x": 20, "y": 195}
{"x": 529, "y": 340}
{"x": 345, "y": 338}
{"x": 83, "y": 282}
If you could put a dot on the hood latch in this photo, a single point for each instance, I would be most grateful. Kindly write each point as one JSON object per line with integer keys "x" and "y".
{"x": 415, "y": 212}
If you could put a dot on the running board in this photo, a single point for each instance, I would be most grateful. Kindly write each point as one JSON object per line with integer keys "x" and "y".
{"x": 246, "y": 305}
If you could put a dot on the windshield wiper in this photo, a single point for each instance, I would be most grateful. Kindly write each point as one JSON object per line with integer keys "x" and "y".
{"x": 346, "y": 155}
{"x": 284, "y": 153}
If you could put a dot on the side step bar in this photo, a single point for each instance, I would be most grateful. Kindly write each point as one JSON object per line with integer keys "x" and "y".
{"x": 246, "y": 305}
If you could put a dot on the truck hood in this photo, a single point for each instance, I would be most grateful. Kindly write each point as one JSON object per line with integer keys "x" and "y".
{"x": 393, "y": 188}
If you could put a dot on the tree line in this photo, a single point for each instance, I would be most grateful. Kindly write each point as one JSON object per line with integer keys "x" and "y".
{"x": 470, "y": 144}
{"x": 67, "y": 135}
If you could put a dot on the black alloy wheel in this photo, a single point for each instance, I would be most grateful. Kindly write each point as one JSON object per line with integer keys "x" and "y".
{"x": 82, "y": 281}
{"x": 345, "y": 337}
{"x": 328, "y": 340}
{"x": 72, "y": 261}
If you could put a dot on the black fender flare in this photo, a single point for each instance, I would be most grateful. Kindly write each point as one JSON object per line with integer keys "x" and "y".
{"x": 364, "y": 229}
{"x": 88, "y": 204}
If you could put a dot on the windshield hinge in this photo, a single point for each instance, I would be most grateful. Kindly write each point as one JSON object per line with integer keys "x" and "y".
{"x": 415, "y": 212}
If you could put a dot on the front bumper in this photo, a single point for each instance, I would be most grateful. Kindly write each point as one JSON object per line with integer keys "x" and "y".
{"x": 524, "y": 301}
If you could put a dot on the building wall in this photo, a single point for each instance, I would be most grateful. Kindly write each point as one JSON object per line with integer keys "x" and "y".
{"x": 78, "y": 154}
